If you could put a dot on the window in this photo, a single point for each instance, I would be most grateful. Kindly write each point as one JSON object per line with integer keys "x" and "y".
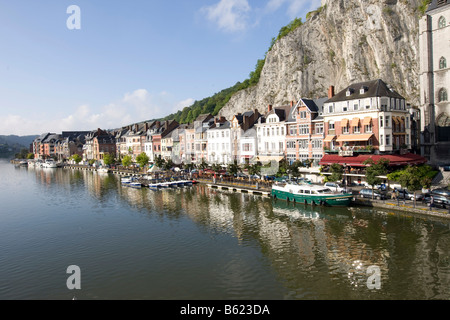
{"x": 441, "y": 22}
{"x": 290, "y": 144}
{"x": 381, "y": 140}
{"x": 318, "y": 128}
{"x": 303, "y": 144}
{"x": 388, "y": 140}
{"x": 331, "y": 125}
{"x": 387, "y": 121}
{"x": 368, "y": 128}
{"x": 355, "y": 107}
{"x": 345, "y": 129}
{"x": 381, "y": 121}
{"x": 317, "y": 144}
{"x": 443, "y": 95}
{"x": 293, "y": 130}
{"x": 304, "y": 129}
{"x": 356, "y": 129}
{"x": 442, "y": 63}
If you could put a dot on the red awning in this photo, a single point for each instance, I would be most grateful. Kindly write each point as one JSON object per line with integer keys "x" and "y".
{"x": 357, "y": 161}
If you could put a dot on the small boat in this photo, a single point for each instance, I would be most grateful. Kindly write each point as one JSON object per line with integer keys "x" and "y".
{"x": 49, "y": 164}
{"x": 187, "y": 183}
{"x": 180, "y": 183}
{"x": 103, "y": 170}
{"x": 23, "y": 163}
{"x": 164, "y": 185}
{"x": 154, "y": 186}
{"x": 125, "y": 180}
{"x": 310, "y": 194}
{"x": 135, "y": 184}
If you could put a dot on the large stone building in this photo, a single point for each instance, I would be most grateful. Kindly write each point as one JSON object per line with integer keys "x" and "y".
{"x": 434, "y": 44}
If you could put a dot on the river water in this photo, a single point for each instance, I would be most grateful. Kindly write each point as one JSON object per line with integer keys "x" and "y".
{"x": 198, "y": 243}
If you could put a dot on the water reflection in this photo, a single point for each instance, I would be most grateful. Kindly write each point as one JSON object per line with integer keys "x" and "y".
{"x": 314, "y": 252}
{"x": 321, "y": 252}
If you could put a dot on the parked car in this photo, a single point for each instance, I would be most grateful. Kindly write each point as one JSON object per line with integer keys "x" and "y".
{"x": 438, "y": 201}
{"x": 446, "y": 167}
{"x": 377, "y": 194}
{"x": 441, "y": 192}
{"x": 407, "y": 195}
{"x": 334, "y": 186}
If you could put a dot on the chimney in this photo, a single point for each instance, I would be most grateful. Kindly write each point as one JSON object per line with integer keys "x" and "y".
{"x": 158, "y": 124}
{"x": 292, "y": 104}
{"x": 269, "y": 108}
{"x": 330, "y": 92}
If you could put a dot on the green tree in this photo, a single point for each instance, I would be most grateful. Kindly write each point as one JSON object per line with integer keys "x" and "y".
{"x": 216, "y": 167}
{"x": 127, "y": 160}
{"x": 160, "y": 162}
{"x": 203, "y": 165}
{"x": 282, "y": 167}
{"x": 30, "y": 156}
{"x": 294, "y": 168}
{"x": 108, "y": 159}
{"x": 233, "y": 168}
{"x": 188, "y": 166}
{"x": 168, "y": 164}
{"x": 142, "y": 159}
{"x": 254, "y": 169}
{"x": 77, "y": 158}
{"x": 413, "y": 177}
{"x": 374, "y": 170}
{"x": 337, "y": 172}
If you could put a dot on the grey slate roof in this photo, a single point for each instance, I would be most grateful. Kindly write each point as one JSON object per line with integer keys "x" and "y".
{"x": 375, "y": 88}
{"x": 437, "y": 4}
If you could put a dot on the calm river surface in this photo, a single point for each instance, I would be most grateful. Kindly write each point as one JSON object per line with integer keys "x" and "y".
{"x": 197, "y": 243}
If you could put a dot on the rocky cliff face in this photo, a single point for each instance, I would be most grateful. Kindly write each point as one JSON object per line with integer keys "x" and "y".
{"x": 346, "y": 41}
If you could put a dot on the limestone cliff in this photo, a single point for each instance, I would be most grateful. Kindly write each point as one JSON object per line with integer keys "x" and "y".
{"x": 346, "y": 41}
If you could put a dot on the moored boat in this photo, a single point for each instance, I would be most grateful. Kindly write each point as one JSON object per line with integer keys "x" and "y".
{"x": 135, "y": 184}
{"x": 310, "y": 194}
{"x": 103, "y": 170}
{"x": 125, "y": 180}
{"x": 49, "y": 163}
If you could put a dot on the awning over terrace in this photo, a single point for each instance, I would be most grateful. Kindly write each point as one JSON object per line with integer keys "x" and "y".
{"x": 358, "y": 161}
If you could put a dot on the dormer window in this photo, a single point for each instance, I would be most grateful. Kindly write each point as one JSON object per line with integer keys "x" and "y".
{"x": 349, "y": 92}
{"x": 363, "y": 90}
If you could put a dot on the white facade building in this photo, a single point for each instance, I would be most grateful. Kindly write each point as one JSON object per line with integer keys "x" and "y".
{"x": 434, "y": 45}
{"x": 220, "y": 143}
{"x": 271, "y": 134}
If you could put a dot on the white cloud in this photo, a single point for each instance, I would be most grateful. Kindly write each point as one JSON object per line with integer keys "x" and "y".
{"x": 295, "y": 8}
{"x": 136, "y": 106}
{"x": 229, "y": 15}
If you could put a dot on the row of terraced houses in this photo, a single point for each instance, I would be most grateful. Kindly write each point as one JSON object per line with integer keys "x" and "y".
{"x": 367, "y": 118}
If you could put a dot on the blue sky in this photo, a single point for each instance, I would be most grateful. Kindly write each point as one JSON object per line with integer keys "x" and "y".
{"x": 130, "y": 61}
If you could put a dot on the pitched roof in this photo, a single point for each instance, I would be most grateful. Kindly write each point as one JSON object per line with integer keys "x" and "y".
{"x": 374, "y": 88}
{"x": 437, "y": 4}
{"x": 282, "y": 112}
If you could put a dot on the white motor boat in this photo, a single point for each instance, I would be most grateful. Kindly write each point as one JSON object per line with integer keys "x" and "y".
{"x": 49, "y": 164}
